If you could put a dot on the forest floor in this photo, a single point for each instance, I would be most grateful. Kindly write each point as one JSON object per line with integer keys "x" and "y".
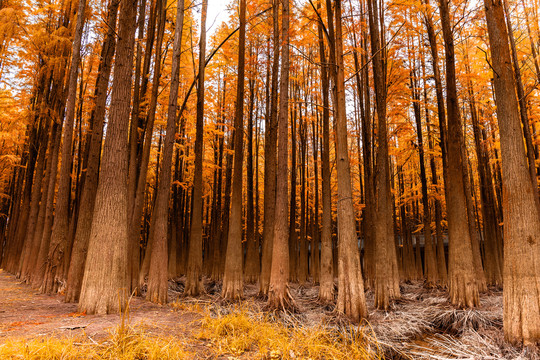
{"x": 421, "y": 325}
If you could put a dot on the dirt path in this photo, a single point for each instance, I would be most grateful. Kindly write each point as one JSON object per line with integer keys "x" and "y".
{"x": 26, "y": 314}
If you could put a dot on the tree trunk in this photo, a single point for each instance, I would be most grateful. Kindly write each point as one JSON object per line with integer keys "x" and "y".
{"x": 326, "y": 289}
{"x": 270, "y": 164}
{"x": 86, "y": 211}
{"x": 59, "y": 237}
{"x": 521, "y": 297}
{"x": 105, "y": 283}
{"x": 351, "y": 299}
{"x": 233, "y": 281}
{"x": 158, "y": 274}
{"x": 386, "y": 267}
{"x": 461, "y": 276}
{"x": 195, "y": 256}
{"x": 278, "y": 293}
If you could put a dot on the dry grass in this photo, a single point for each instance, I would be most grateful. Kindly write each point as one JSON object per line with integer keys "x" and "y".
{"x": 130, "y": 344}
{"x": 248, "y": 332}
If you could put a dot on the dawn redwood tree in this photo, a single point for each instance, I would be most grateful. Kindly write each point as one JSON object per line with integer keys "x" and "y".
{"x": 386, "y": 267}
{"x": 233, "y": 281}
{"x": 351, "y": 298}
{"x": 158, "y": 274}
{"x": 326, "y": 289}
{"x": 278, "y": 293}
{"x": 195, "y": 254}
{"x": 521, "y": 291}
{"x": 87, "y": 202}
{"x": 462, "y": 284}
{"x": 59, "y": 237}
{"x": 270, "y": 162}
{"x": 106, "y": 282}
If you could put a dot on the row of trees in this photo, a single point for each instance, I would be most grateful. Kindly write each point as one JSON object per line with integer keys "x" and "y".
{"x": 344, "y": 151}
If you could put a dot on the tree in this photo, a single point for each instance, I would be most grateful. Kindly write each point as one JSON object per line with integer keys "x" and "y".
{"x": 233, "y": 277}
{"x": 157, "y": 279}
{"x": 351, "y": 299}
{"x": 105, "y": 283}
{"x": 194, "y": 270}
{"x": 278, "y": 293}
{"x": 521, "y": 213}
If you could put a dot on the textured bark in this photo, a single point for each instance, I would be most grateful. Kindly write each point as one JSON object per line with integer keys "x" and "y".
{"x": 278, "y": 292}
{"x": 233, "y": 281}
{"x": 351, "y": 299}
{"x": 45, "y": 236}
{"x": 326, "y": 289}
{"x": 386, "y": 267}
{"x": 59, "y": 237}
{"x": 430, "y": 259}
{"x": 522, "y": 101}
{"x": 145, "y": 158}
{"x": 270, "y": 161}
{"x": 521, "y": 293}
{"x": 106, "y": 282}
{"x": 492, "y": 260}
{"x": 37, "y": 194}
{"x": 158, "y": 274}
{"x": 461, "y": 276}
{"x": 195, "y": 256}
{"x": 294, "y": 269}
{"x": 252, "y": 262}
{"x": 86, "y": 211}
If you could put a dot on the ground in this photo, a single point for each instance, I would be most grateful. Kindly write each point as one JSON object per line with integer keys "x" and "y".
{"x": 422, "y": 325}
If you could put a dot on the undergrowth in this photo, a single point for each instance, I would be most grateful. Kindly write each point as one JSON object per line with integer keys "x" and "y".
{"x": 238, "y": 332}
{"x": 248, "y": 333}
{"x": 129, "y": 344}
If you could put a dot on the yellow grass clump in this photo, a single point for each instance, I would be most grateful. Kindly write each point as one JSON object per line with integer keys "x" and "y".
{"x": 122, "y": 344}
{"x": 251, "y": 334}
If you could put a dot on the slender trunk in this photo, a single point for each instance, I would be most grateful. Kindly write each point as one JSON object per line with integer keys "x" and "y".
{"x": 158, "y": 274}
{"x": 270, "y": 163}
{"x": 233, "y": 281}
{"x": 461, "y": 276}
{"x": 194, "y": 268}
{"x": 278, "y": 293}
{"x": 59, "y": 237}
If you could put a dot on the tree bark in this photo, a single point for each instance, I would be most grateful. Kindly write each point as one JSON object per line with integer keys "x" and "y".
{"x": 521, "y": 293}
{"x": 195, "y": 257}
{"x": 106, "y": 282}
{"x": 233, "y": 281}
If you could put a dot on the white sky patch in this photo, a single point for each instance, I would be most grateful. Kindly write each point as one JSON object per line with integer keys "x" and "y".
{"x": 217, "y": 14}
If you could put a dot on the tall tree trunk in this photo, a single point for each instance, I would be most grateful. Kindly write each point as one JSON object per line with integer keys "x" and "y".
{"x": 233, "y": 281}
{"x": 105, "y": 283}
{"x": 59, "y": 237}
{"x": 326, "y": 289}
{"x": 270, "y": 164}
{"x": 278, "y": 293}
{"x": 461, "y": 276}
{"x": 86, "y": 212}
{"x": 351, "y": 299}
{"x": 429, "y": 253}
{"x": 195, "y": 256}
{"x": 386, "y": 267}
{"x": 522, "y": 101}
{"x": 158, "y": 274}
{"x": 521, "y": 297}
